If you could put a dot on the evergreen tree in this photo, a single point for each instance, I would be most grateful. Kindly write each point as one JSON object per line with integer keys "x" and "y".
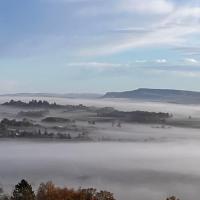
{"x": 23, "y": 191}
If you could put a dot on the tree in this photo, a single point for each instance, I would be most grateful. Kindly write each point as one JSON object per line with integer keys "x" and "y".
{"x": 172, "y": 198}
{"x": 47, "y": 192}
{"x": 104, "y": 195}
{"x": 1, "y": 190}
{"x": 88, "y": 194}
{"x": 23, "y": 191}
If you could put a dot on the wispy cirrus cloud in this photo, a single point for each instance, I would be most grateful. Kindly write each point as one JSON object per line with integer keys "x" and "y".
{"x": 159, "y": 22}
{"x": 115, "y": 36}
{"x": 158, "y": 7}
{"x": 141, "y": 61}
{"x": 172, "y": 29}
{"x": 191, "y": 60}
{"x": 98, "y": 65}
{"x": 177, "y": 73}
{"x": 189, "y": 50}
{"x": 147, "y": 6}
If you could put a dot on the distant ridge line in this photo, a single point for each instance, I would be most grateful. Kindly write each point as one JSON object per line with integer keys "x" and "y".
{"x": 143, "y": 94}
{"x": 158, "y": 95}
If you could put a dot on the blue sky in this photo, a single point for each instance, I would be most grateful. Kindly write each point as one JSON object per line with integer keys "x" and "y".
{"x": 99, "y": 45}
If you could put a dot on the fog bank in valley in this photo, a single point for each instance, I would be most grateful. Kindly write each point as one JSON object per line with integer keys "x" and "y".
{"x": 139, "y": 170}
{"x": 120, "y": 104}
{"x": 141, "y": 161}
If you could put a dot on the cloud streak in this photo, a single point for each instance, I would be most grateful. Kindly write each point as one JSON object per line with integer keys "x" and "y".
{"x": 173, "y": 28}
{"x": 147, "y": 6}
{"x": 98, "y": 65}
{"x": 191, "y": 60}
{"x": 70, "y": 38}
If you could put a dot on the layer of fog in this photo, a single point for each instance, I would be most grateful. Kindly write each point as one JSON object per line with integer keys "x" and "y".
{"x": 157, "y": 162}
{"x": 144, "y": 133}
{"x": 131, "y": 170}
{"x": 121, "y": 104}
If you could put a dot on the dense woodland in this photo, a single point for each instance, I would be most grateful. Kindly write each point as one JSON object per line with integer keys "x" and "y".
{"x": 43, "y": 104}
{"x": 48, "y": 191}
{"x": 101, "y": 113}
{"x": 25, "y": 129}
{"x": 60, "y": 125}
{"x": 137, "y": 116}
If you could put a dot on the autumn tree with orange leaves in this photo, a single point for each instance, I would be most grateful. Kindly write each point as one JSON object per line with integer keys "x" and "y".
{"x": 48, "y": 191}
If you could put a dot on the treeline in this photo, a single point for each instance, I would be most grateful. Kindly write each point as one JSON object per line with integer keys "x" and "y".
{"x": 33, "y": 103}
{"x": 25, "y": 129}
{"x": 43, "y": 104}
{"x": 48, "y": 191}
{"x": 14, "y": 123}
{"x": 136, "y": 116}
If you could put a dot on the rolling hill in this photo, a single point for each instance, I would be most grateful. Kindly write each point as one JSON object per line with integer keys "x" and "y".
{"x": 158, "y": 95}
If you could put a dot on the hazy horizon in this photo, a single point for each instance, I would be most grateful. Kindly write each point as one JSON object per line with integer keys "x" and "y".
{"x": 97, "y": 93}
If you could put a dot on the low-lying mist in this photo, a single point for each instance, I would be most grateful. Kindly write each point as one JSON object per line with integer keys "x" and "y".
{"x": 153, "y": 163}
{"x": 130, "y": 170}
{"x": 120, "y": 104}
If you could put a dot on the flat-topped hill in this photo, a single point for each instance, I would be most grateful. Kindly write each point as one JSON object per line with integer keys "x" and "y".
{"x": 160, "y": 95}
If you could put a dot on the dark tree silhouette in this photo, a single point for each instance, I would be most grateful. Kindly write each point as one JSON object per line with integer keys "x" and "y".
{"x": 172, "y": 198}
{"x": 23, "y": 191}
